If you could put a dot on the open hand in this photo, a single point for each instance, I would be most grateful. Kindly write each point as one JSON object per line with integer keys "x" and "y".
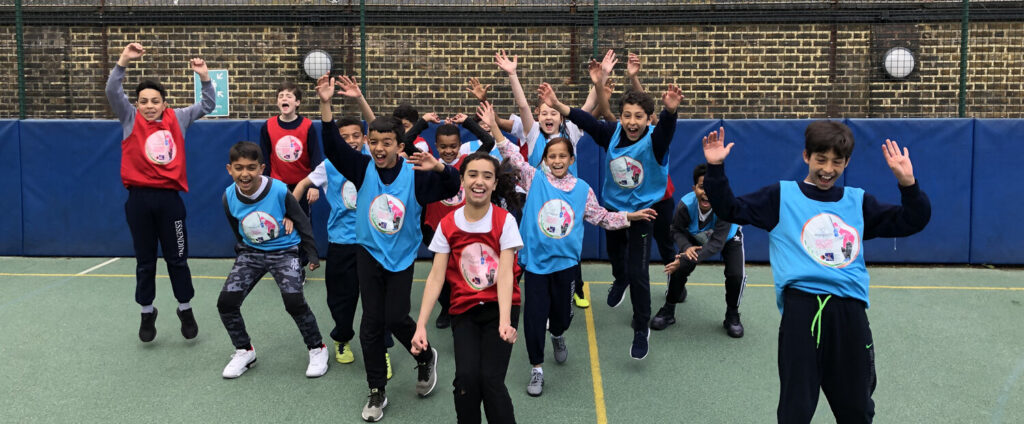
{"x": 632, "y": 65}
{"x": 325, "y": 87}
{"x": 899, "y": 162}
{"x": 312, "y": 195}
{"x": 486, "y": 113}
{"x": 691, "y": 253}
{"x": 504, "y": 63}
{"x": 289, "y": 226}
{"x": 479, "y": 90}
{"x": 348, "y": 87}
{"x": 423, "y": 161}
{"x": 672, "y": 97}
{"x": 431, "y": 117}
{"x": 715, "y": 149}
{"x": 547, "y": 95}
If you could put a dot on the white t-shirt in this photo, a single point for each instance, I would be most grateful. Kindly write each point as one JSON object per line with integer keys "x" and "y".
{"x": 510, "y": 238}
{"x": 264, "y": 181}
{"x": 571, "y": 130}
{"x": 319, "y": 175}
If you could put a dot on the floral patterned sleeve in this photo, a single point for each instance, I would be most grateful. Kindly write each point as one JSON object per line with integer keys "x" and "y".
{"x": 597, "y": 215}
{"x": 526, "y": 172}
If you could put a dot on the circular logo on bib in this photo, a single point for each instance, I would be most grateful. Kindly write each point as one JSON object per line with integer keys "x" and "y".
{"x": 626, "y": 171}
{"x": 556, "y": 218}
{"x": 830, "y": 241}
{"x": 456, "y": 199}
{"x": 260, "y": 227}
{"x": 160, "y": 147}
{"x": 387, "y": 214}
{"x": 479, "y": 265}
{"x": 349, "y": 194}
{"x": 288, "y": 148}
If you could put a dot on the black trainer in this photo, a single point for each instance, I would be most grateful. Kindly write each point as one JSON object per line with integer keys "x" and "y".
{"x": 616, "y": 293}
{"x": 732, "y": 324}
{"x": 189, "y": 327}
{"x": 147, "y": 330}
{"x": 663, "y": 319}
{"x": 443, "y": 320}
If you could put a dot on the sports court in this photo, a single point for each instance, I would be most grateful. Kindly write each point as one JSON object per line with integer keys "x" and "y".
{"x": 948, "y": 350}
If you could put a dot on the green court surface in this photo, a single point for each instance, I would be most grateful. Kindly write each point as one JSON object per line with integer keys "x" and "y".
{"x": 949, "y": 348}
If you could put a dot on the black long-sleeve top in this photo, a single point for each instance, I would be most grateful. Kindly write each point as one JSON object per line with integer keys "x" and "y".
{"x": 680, "y": 231}
{"x": 602, "y": 131}
{"x": 486, "y": 139}
{"x": 430, "y": 186}
{"x": 761, "y": 208}
{"x": 293, "y": 211}
{"x": 312, "y": 144}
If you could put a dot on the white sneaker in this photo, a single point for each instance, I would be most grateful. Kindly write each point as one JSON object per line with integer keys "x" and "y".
{"x": 242, "y": 360}
{"x": 317, "y": 362}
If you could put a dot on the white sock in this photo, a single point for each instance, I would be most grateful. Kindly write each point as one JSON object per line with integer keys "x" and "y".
{"x": 184, "y": 306}
{"x": 539, "y": 370}
{"x": 147, "y": 309}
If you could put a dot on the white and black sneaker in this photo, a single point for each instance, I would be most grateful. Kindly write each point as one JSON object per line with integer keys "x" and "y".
{"x": 427, "y": 378}
{"x": 558, "y": 345}
{"x": 242, "y": 360}
{"x": 374, "y": 409}
{"x": 536, "y": 385}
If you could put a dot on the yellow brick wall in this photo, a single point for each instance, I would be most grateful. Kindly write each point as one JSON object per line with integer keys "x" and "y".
{"x": 725, "y": 71}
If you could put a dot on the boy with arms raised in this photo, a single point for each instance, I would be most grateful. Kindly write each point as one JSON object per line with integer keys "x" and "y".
{"x": 153, "y": 171}
{"x": 816, "y": 234}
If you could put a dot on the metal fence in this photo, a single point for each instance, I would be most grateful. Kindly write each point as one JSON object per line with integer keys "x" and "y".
{"x": 734, "y": 59}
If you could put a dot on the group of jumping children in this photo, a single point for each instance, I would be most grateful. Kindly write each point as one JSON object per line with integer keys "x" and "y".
{"x": 495, "y": 212}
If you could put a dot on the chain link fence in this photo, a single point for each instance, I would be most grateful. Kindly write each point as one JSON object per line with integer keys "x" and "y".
{"x": 733, "y": 59}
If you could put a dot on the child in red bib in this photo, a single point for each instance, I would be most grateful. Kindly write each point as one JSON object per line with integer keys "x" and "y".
{"x": 475, "y": 249}
{"x": 289, "y": 142}
{"x": 153, "y": 171}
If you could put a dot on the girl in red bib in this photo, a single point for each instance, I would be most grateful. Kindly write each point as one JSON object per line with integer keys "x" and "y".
{"x": 475, "y": 248}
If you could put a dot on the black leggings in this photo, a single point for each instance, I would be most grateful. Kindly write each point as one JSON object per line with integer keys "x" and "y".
{"x": 481, "y": 362}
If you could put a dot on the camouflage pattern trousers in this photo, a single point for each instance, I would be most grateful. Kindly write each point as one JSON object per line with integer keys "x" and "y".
{"x": 250, "y": 266}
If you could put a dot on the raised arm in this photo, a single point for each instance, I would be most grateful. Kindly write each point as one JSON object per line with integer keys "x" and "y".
{"x": 632, "y": 70}
{"x": 350, "y": 163}
{"x": 599, "y": 74}
{"x": 914, "y": 212}
{"x": 349, "y": 87}
{"x": 760, "y": 208}
{"x": 507, "y": 149}
{"x": 509, "y": 66}
{"x": 188, "y": 115}
{"x": 601, "y": 132}
{"x": 115, "y": 83}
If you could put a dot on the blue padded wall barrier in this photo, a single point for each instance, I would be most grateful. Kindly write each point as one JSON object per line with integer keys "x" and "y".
{"x": 996, "y": 193}
{"x": 940, "y": 150}
{"x": 10, "y": 190}
{"x": 67, "y": 198}
{"x": 72, "y": 195}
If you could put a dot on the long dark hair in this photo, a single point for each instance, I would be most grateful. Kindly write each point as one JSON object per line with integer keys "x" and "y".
{"x": 506, "y": 177}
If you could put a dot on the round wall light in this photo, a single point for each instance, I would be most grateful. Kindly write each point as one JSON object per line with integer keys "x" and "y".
{"x": 316, "y": 63}
{"x": 898, "y": 62}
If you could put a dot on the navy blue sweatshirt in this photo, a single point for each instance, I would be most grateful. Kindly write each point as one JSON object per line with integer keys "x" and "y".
{"x": 430, "y": 186}
{"x": 602, "y": 131}
{"x": 761, "y": 208}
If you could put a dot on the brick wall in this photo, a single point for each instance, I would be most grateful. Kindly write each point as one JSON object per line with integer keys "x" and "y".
{"x": 725, "y": 71}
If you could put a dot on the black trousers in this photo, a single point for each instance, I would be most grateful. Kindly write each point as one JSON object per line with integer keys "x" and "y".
{"x": 629, "y": 250}
{"x": 481, "y": 362}
{"x": 342, "y": 284}
{"x": 546, "y": 297}
{"x": 841, "y": 363}
{"x": 735, "y": 274}
{"x": 662, "y": 237}
{"x": 385, "y": 297}
{"x": 158, "y": 216}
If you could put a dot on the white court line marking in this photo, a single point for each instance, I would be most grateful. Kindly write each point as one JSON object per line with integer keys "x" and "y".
{"x": 97, "y": 266}
{"x": 54, "y": 285}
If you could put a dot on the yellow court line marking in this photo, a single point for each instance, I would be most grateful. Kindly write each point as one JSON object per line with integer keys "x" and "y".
{"x": 420, "y": 280}
{"x": 595, "y": 362}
